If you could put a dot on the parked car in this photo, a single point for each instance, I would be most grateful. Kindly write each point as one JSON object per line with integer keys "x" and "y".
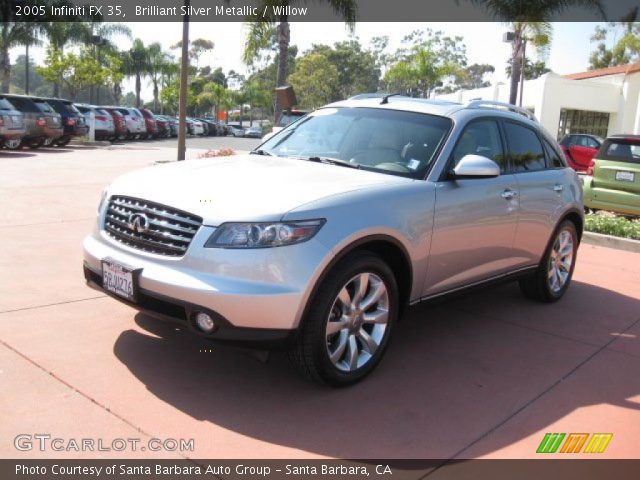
{"x": 150, "y": 122}
{"x": 42, "y": 124}
{"x": 579, "y": 150}
{"x": 212, "y": 126}
{"x": 253, "y": 132}
{"x": 104, "y": 126}
{"x": 12, "y": 127}
{"x": 134, "y": 121}
{"x": 119, "y": 122}
{"x": 172, "y": 124}
{"x": 613, "y": 181}
{"x": 355, "y": 212}
{"x": 194, "y": 126}
{"x": 223, "y": 128}
{"x": 163, "y": 129}
{"x": 236, "y": 130}
{"x": 72, "y": 120}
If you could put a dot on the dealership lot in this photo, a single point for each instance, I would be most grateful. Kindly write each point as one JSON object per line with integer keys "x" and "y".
{"x": 484, "y": 375}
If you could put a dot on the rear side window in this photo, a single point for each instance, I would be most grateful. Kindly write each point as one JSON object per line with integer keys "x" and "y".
{"x": 620, "y": 150}
{"x": 553, "y": 159}
{"x": 44, "y": 107}
{"x": 525, "y": 150}
{"x": 24, "y": 104}
{"x": 5, "y": 104}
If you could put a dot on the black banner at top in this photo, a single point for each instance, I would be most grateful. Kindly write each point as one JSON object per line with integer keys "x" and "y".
{"x": 318, "y": 10}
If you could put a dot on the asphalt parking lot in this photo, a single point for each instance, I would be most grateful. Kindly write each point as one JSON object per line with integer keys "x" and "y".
{"x": 484, "y": 375}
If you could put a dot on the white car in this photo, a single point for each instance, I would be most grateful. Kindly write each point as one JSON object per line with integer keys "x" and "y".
{"x": 136, "y": 126}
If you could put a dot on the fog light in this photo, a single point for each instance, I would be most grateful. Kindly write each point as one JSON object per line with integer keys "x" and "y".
{"x": 205, "y": 322}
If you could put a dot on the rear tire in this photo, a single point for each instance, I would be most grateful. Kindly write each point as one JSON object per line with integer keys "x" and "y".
{"x": 35, "y": 144}
{"x": 553, "y": 276}
{"x": 348, "y": 322}
{"x": 15, "y": 144}
{"x": 63, "y": 142}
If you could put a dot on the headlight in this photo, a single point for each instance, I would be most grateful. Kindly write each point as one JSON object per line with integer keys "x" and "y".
{"x": 263, "y": 235}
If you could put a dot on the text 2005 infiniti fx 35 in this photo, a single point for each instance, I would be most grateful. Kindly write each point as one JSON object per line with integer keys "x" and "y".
{"x": 318, "y": 239}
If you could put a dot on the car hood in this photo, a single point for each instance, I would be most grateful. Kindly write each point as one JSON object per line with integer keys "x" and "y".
{"x": 244, "y": 187}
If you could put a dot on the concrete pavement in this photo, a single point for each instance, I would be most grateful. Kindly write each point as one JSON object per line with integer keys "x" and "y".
{"x": 485, "y": 375}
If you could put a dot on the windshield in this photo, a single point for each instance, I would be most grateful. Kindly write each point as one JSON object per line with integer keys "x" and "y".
{"x": 5, "y": 104}
{"x": 389, "y": 141}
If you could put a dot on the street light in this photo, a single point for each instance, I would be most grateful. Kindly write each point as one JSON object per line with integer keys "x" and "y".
{"x": 184, "y": 67}
{"x": 512, "y": 38}
{"x": 98, "y": 41}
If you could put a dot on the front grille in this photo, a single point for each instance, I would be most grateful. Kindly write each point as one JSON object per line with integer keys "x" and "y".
{"x": 169, "y": 231}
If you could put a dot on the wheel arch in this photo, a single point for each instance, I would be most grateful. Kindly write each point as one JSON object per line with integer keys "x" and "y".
{"x": 576, "y": 218}
{"x": 389, "y": 249}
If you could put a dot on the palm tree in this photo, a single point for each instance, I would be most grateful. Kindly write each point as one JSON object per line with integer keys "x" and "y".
{"x": 158, "y": 61}
{"x": 258, "y": 31}
{"x": 13, "y": 34}
{"x": 102, "y": 35}
{"x": 136, "y": 64}
{"x": 529, "y": 21}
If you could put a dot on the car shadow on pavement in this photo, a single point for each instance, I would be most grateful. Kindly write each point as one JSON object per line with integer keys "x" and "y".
{"x": 454, "y": 372}
{"x": 14, "y": 154}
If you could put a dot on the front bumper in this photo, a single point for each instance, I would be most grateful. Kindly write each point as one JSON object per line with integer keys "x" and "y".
{"x": 257, "y": 295}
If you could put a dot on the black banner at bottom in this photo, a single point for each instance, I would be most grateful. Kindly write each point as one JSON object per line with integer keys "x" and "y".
{"x": 547, "y": 469}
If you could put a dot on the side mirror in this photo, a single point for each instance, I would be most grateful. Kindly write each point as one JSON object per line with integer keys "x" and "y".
{"x": 475, "y": 166}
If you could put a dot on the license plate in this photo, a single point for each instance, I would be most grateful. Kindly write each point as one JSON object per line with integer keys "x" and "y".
{"x": 625, "y": 176}
{"x": 119, "y": 280}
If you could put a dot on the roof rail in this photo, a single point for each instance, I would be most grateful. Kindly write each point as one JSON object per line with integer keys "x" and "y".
{"x": 501, "y": 106}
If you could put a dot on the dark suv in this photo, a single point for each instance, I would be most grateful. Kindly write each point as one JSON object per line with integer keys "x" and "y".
{"x": 43, "y": 124}
{"x": 72, "y": 120}
{"x": 11, "y": 124}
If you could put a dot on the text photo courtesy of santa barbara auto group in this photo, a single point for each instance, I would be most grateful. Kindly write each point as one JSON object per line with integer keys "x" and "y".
{"x": 309, "y": 239}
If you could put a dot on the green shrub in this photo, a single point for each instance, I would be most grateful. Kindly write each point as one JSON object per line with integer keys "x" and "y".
{"x": 616, "y": 226}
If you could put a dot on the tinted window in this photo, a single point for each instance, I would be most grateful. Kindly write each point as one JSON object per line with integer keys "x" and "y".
{"x": 481, "y": 138}
{"x": 23, "y": 104}
{"x": 620, "y": 150}
{"x": 44, "y": 107}
{"x": 588, "y": 142}
{"x": 525, "y": 149}
{"x": 5, "y": 104}
{"x": 554, "y": 160}
{"x": 396, "y": 142}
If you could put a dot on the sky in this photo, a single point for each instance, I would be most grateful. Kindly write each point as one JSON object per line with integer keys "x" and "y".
{"x": 569, "y": 51}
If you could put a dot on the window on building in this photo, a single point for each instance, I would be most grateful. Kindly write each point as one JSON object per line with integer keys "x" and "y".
{"x": 583, "y": 121}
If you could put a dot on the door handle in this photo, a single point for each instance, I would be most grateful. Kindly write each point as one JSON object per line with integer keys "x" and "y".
{"x": 558, "y": 188}
{"x": 509, "y": 194}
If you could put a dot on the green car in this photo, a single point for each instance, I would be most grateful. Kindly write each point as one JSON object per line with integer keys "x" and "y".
{"x": 613, "y": 179}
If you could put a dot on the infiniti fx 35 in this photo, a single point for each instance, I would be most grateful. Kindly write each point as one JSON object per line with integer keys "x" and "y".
{"x": 318, "y": 239}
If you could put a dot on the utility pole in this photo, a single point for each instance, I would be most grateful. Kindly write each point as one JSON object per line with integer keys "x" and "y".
{"x": 184, "y": 77}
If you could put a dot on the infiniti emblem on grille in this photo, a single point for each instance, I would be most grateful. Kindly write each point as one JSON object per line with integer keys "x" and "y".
{"x": 138, "y": 222}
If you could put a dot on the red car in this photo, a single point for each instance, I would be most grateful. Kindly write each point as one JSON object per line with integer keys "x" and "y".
{"x": 579, "y": 150}
{"x": 119, "y": 124}
{"x": 150, "y": 122}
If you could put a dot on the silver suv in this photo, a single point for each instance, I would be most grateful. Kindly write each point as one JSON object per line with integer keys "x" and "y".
{"x": 319, "y": 238}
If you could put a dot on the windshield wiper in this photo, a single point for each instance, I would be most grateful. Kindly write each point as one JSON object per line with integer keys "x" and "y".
{"x": 334, "y": 161}
{"x": 261, "y": 152}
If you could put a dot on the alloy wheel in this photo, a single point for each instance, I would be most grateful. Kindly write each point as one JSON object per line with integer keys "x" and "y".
{"x": 560, "y": 261}
{"x": 357, "y": 322}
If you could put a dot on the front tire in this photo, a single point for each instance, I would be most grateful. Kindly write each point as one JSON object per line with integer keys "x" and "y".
{"x": 553, "y": 276}
{"x": 348, "y": 324}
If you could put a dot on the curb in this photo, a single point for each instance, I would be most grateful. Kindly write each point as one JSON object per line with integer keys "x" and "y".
{"x": 610, "y": 241}
{"x": 87, "y": 143}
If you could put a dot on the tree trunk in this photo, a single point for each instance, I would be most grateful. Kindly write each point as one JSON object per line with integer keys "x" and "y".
{"x": 284, "y": 37}
{"x": 138, "y": 88}
{"x": 5, "y": 70}
{"x": 516, "y": 67}
{"x": 155, "y": 95}
{"x": 117, "y": 93}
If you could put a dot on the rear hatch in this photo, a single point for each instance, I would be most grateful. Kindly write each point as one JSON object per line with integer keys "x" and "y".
{"x": 617, "y": 169}
{"x": 51, "y": 117}
{"x": 11, "y": 118}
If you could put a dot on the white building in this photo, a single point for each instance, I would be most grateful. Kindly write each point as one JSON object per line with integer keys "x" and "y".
{"x": 601, "y": 102}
